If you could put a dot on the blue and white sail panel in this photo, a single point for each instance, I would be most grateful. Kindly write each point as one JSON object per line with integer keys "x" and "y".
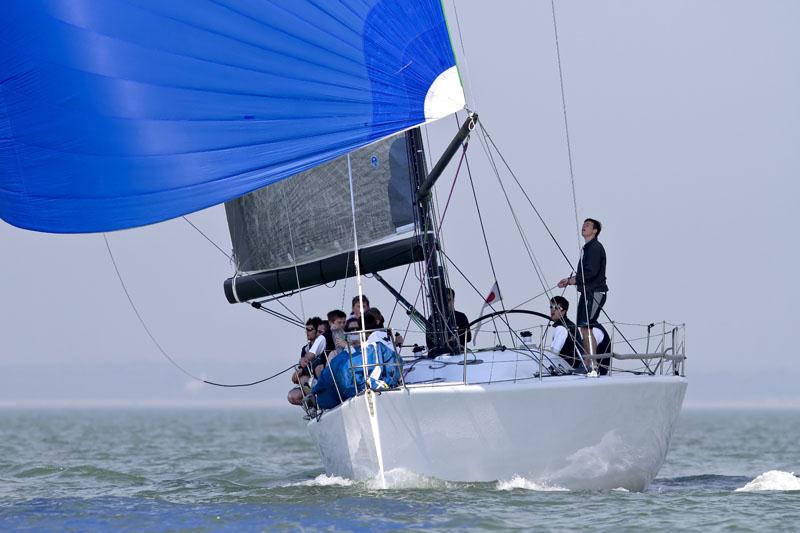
{"x": 120, "y": 113}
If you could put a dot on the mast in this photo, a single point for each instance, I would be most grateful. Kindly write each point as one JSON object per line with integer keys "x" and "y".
{"x": 441, "y": 320}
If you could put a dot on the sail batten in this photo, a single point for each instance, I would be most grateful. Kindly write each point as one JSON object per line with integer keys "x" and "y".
{"x": 124, "y": 113}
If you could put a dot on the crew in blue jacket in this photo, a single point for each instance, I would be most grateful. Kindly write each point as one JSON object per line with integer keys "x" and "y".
{"x": 349, "y": 373}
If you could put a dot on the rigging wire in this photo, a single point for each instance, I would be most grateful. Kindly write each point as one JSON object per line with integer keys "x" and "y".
{"x": 485, "y": 239}
{"x": 356, "y": 258}
{"x": 541, "y": 219}
{"x": 214, "y": 244}
{"x": 160, "y": 347}
{"x": 432, "y": 300}
{"x": 259, "y": 306}
{"x": 362, "y": 334}
{"x": 468, "y": 72}
{"x": 535, "y": 297}
{"x": 524, "y": 192}
{"x": 566, "y": 122}
{"x": 346, "y": 271}
{"x": 569, "y": 157}
{"x": 396, "y": 302}
{"x": 230, "y": 258}
{"x": 534, "y": 261}
{"x": 443, "y": 308}
{"x": 505, "y": 320}
{"x": 525, "y": 242}
{"x": 438, "y": 228}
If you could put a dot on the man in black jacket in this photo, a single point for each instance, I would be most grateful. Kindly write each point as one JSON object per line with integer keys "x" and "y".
{"x": 458, "y": 339}
{"x": 590, "y": 280}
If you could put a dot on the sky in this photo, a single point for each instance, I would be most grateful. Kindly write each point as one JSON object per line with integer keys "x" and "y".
{"x": 684, "y": 124}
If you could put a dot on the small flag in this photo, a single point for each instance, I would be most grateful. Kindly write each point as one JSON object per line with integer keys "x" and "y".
{"x": 492, "y": 298}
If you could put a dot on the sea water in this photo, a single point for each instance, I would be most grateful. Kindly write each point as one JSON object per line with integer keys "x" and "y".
{"x": 152, "y": 469}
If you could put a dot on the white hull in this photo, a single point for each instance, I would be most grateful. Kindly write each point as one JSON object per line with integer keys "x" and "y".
{"x": 574, "y": 432}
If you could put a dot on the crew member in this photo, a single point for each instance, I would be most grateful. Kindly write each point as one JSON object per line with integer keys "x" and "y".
{"x": 566, "y": 340}
{"x": 456, "y": 339}
{"x": 590, "y": 280}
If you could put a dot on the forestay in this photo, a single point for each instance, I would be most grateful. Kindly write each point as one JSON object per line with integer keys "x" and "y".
{"x": 121, "y": 113}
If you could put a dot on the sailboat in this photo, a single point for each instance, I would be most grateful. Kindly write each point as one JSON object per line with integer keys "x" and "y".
{"x": 121, "y": 114}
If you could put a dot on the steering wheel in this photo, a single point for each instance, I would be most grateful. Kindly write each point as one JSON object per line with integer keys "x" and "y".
{"x": 509, "y": 312}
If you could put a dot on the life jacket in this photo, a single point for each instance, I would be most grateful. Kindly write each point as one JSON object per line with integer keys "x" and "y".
{"x": 335, "y": 383}
{"x": 603, "y": 347}
{"x": 381, "y": 364}
{"x": 344, "y": 376}
{"x": 572, "y": 350}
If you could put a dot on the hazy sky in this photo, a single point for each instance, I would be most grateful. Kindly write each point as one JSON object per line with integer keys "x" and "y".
{"x": 685, "y": 124}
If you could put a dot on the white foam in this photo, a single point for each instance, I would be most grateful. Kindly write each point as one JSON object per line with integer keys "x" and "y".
{"x": 518, "y": 482}
{"x": 400, "y": 478}
{"x": 620, "y": 489}
{"x": 397, "y": 478}
{"x": 772, "y": 480}
{"x": 323, "y": 480}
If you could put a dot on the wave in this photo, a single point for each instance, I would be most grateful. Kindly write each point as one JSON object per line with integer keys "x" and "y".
{"x": 397, "y": 478}
{"x": 400, "y": 478}
{"x": 718, "y": 482}
{"x": 518, "y": 482}
{"x": 323, "y": 480}
{"x": 776, "y": 480}
{"x": 80, "y": 471}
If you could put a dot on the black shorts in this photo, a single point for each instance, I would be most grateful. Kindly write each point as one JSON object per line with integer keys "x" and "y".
{"x": 590, "y": 307}
{"x": 321, "y": 359}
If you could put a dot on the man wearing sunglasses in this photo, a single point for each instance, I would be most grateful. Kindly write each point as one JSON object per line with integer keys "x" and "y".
{"x": 313, "y": 348}
{"x": 566, "y": 339}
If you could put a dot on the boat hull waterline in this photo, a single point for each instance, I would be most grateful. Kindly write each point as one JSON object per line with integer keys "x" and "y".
{"x": 574, "y": 432}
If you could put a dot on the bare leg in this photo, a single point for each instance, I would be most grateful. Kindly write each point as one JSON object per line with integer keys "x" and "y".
{"x": 589, "y": 346}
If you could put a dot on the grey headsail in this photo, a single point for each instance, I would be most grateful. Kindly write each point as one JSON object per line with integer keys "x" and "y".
{"x": 301, "y": 230}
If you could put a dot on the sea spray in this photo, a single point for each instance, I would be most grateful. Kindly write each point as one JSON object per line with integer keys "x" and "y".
{"x": 323, "y": 480}
{"x": 400, "y": 478}
{"x": 518, "y": 482}
{"x": 776, "y": 480}
{"x": 395, "y": 479}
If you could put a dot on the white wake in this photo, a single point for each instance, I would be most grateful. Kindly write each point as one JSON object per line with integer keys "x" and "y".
{"x": 400, "y": 478}
{"x": 394, "y": 479}
{"x": 323, "y": 480}
{"x": 518, "y": 482}
{"x": 772, "y": 480}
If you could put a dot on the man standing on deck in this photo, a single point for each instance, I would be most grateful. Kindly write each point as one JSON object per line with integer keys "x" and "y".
{"x": 590, "y": 279}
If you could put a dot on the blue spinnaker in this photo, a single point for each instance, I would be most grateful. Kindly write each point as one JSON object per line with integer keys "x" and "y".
{"x": 120, "y": 113}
